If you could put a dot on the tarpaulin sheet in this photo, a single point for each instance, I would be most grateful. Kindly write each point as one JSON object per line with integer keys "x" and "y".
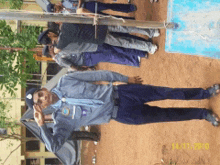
{"x": 198, "y": 31}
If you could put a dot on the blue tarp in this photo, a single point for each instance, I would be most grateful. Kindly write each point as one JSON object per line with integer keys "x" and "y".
{"x": 198, "y": 31}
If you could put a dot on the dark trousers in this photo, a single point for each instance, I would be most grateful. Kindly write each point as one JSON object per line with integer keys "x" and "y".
{"x": 126, "y": 8}
{"x": 84, "y": 135}
{"x": 113, "y": 54}
{"x": 132, "y": 109}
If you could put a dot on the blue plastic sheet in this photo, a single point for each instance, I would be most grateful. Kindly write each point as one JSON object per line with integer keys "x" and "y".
{"x": 198, "y": 31}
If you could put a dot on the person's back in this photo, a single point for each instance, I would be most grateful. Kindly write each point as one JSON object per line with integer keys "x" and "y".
{"x": 81, "y": 33}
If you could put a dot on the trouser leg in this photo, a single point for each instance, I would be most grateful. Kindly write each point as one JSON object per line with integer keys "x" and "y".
{"x": 132, "y": 110}
{"x": 137, "y": 94}
{"x": 126, "y": 8}
{"x": 102, "y": 6}
{"x": 126, "y": 29}
{"x": 127, "y": 42}
{"x": 144, "y": 114}
{"x": 113, "y": 54}
{"x": 109, "y": 49}
{"x": 93, "y": 59}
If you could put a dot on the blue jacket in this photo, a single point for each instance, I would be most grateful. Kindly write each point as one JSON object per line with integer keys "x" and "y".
{"x": 67, "y": 117}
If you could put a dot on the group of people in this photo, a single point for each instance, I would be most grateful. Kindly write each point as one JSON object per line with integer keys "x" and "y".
{"x": 77, "y": 101}
{"x": 76, "y": 46}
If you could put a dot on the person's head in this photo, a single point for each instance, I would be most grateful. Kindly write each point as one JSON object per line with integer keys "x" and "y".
{"x": 54, "y": 8}
{"x": 43, "y": 98}
{"x": 58, "y": 8}
{"x": 54, "y": 26}
{"x": 48, "y": 37}
{"x": 48, "y": 51}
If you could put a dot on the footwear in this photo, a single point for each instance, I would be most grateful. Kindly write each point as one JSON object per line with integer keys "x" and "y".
{"x": 133, "y": 8}
{"x": 212, "y": 118}
{"x": 214, "y": 90}
{"x": 151, "y": 1}
{"x": 156, "y": 33}
{"x": 146, "y": 56}
{"x": 153, "y": 49}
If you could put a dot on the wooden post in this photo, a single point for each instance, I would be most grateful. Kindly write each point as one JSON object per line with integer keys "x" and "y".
{"x": 38, "y": 49}
{"x": 82, "y": 20}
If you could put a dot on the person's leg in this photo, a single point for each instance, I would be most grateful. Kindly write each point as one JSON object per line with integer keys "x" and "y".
{"x": 101, "y": 6}
{"x": 91, "y": 59}
{"x": 126, "y": 8}
{"x": 109, "y": 49}
{"x": 132, "y": 110}
{"x": 125, "y": 29}
{"x": 138, "y": 94}
{"x": 127, "y": 42}
{"x": 144, "y": 114}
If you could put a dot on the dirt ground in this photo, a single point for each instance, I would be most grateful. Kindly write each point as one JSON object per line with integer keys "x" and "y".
{"x": 155, "y": 144}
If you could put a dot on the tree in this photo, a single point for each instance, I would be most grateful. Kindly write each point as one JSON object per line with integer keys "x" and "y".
{"x": 10, "y": 125}
{"x": 16, "y": 66}
{"x": 13, "y": 4}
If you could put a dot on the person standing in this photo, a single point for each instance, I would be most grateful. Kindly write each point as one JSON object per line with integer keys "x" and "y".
{"x": 78, "y": 102}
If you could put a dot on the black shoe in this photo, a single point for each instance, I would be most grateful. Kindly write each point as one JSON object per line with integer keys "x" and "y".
{"x": 214, "y": 90}
{"x": 212, "y": 118}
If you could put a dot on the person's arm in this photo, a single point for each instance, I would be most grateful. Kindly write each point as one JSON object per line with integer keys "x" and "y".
{"x": 103, "y": 75}
{"x": 48, "y": 117}
{"x": 80, "y": 2}
{"x": 53, "y": 141}
{"x": 56, "y": 50}
{"x": 63, "y": 62}
{"x": 68, "y": 63}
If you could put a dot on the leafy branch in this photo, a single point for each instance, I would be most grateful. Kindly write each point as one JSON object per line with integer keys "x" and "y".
{"x": 13, "y": 4}
{"x": 16, "y": 66}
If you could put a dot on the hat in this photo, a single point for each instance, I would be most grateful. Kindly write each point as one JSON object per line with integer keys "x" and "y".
{"x": 43, "y": 38}
{"x": 50, "y": 8}
{"x": 29, "y": 97}
{"x": 45, "y": 51}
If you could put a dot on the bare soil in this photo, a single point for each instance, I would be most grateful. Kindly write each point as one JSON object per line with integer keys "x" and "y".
{"x": 151, "y": 144}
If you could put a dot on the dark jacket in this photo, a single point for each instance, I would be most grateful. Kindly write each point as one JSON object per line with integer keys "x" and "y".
{"x": 71, "y": 32}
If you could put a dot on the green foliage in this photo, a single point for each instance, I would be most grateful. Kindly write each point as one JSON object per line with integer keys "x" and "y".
{"x": 13, "y": 4}
{"x": 17, "y": 66}
{"x": 5, "y": 120}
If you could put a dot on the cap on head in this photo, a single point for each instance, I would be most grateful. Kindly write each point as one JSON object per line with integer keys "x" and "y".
{"x": 50, "y": 8}
{"x": 29, "y": 97}
{"x": 43, "y": 38}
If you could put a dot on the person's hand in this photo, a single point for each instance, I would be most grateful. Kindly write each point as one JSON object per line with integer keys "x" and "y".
{"x": 38, "y": 115}
{"x": 58, "y": 7}
{"x": 135, "y": 80}
{"x": 56, "y": 50}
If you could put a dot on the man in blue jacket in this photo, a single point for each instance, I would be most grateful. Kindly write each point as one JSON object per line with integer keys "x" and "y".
{"x": 105, "y": 53}
{"x": 77, "y": 102}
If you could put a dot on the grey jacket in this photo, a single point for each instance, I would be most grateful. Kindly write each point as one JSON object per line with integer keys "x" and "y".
{"x": 76, "y": 47}
{"x": 67, "y": 60}
{"x": 79, "y": 85}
